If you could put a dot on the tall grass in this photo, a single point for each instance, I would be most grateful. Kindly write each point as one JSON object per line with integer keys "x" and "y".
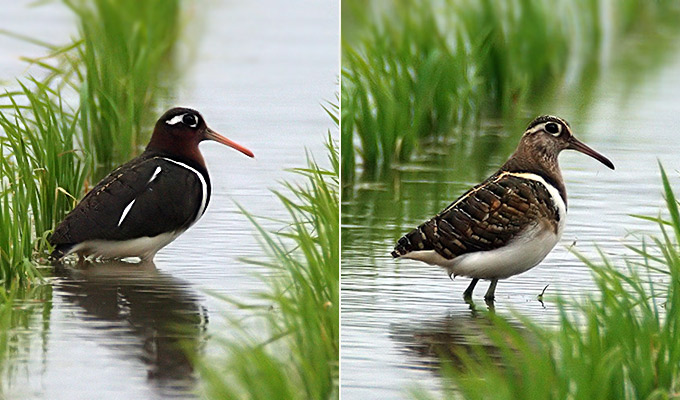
{"x": 619, "y": 344}
{"x": 431, "y": 69}
{"x": 298, "y": 356}
{"x": 124, "y": 54}
{"x": 41, "y": 173}
{"x": 51, "y": 148}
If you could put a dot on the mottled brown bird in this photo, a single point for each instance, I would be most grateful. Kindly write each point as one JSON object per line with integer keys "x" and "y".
{"x": 509, "y": 223}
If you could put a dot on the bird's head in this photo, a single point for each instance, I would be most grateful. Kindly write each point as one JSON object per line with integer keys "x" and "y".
{"x": 180, "y": 130}
{"x": 547, "y": 135}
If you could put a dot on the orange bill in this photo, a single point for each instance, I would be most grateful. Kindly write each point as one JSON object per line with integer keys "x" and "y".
{"x": 212, "y": 135}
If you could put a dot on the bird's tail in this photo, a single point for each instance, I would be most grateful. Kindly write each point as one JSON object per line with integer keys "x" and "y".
{"x": 413, "y": 241}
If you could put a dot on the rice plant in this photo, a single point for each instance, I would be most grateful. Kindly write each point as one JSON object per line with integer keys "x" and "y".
{"x": 430, "y": 69}
{"x": 16, "y": 233}
{"x": 298, "y": 356}
{"x": 620, "y": 343}
{"x": 42, "y": 174}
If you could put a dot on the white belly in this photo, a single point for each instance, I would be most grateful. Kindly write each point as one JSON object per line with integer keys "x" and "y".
{"x": 144, "y": 247}
{"x": 523, "y": 253}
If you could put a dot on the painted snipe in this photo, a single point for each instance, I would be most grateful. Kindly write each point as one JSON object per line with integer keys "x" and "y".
{"x": 509, "y": 223}
{"x": 146, "y": 203}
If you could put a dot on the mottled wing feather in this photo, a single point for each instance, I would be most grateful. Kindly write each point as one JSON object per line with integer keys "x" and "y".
{"x": 485, "y": 218}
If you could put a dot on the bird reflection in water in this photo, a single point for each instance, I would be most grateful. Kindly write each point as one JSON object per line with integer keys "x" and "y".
{"x": 430, "y": 343}
{"x": 159, "y": 312}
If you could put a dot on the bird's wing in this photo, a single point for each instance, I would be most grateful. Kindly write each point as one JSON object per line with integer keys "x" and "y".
{"x": 487, "y": 217}
{"x": 138, "y": 199}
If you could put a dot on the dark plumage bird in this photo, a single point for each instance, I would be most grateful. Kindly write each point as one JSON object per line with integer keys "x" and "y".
{"x": 144, "y": 204}
{"x": 509, "y": 223}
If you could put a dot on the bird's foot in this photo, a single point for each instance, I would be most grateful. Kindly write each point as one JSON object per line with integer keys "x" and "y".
{"x": 467, "y": 294}
{"x": 490, "y": 303}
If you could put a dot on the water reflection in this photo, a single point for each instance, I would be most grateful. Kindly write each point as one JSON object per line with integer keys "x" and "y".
{"x": 24, "y": 327}
{"x": 160, "y": 312}
{"x": 428, "y": 343}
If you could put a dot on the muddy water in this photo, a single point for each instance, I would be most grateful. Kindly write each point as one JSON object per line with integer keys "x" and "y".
{"x": 258, "y": 73}
{"x": 395, "y": 313}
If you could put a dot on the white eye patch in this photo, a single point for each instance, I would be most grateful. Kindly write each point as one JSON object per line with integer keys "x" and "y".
{"x": 175, "y": 120}
{"x": 187, "y": 119}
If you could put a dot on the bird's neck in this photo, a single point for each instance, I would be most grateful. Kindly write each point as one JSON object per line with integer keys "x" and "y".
{"x": 182, "y": 150}
{"x": 541, "y": 163}
{"x": 192, "y": 158}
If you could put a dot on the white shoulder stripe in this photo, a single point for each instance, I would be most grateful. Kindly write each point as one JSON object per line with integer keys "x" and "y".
{"x": 126, "y": 211}
{"x": 204, "y": 185}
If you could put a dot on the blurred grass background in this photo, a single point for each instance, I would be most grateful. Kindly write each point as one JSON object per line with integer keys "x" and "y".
{"x": 124, "y": 63}
{"x": 417, "y": 70}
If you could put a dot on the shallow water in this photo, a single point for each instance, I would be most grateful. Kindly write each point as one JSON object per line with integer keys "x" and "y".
{"x": 396, "y": 315}
{"x": 259, "y": 74}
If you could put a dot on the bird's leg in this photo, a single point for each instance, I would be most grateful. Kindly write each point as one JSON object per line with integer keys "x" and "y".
{"x": 492, "y": 289}
{"x": 467, "y": 294}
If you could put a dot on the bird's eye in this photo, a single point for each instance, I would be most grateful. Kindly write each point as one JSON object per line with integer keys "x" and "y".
{"x": 190, "y": 120}
{"x": 552, "y": 128}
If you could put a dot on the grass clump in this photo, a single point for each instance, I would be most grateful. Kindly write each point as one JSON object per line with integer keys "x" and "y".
{"x": 299, "y": 355}
{"x": 430, "y": 69}
{"x": 620, "y": 344}
{"x": 40, "y": 173}
{"x": 51, "y": 148}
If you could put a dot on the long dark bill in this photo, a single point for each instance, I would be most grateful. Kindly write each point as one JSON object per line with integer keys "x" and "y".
{"x": 212, "y": 135}
{"x": 575, "y": 144}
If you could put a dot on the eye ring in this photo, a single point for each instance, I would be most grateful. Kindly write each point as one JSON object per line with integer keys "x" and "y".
{"x": 190, "y": 120}
{"x": 552, "y": 128}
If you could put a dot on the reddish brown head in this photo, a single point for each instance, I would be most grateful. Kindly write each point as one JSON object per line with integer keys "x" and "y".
{"x": 180, "y": 130}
